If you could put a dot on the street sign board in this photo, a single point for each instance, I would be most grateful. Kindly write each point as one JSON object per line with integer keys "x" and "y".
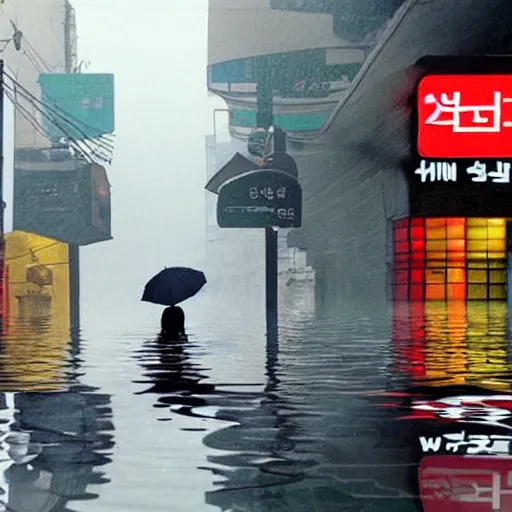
{"x": 259, "y": 199}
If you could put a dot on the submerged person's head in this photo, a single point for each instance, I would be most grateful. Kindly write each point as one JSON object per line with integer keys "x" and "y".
{"x": 173, "y": 321}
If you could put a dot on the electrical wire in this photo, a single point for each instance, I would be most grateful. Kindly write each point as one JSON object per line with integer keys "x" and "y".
{"x": 62, "y": 114}
{"x": 100, "y": 150}
{"x": 38, "y": 127}
{"x": 25, "y": 113}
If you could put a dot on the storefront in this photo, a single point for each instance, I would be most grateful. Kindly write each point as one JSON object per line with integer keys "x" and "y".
{"x": 450, "y": 259}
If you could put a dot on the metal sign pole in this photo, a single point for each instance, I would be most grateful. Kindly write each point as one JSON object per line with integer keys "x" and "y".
{"x": 265, "y": 120}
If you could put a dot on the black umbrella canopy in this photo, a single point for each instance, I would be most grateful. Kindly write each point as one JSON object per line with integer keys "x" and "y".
{"x": 173, "y": 285}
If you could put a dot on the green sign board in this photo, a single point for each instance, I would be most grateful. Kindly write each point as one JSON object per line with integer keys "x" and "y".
{"x": 77, "y": 106}
{"x": 72, "y": 206}
{"x": 297, "y": 122}
{"x": 259, "y": 199}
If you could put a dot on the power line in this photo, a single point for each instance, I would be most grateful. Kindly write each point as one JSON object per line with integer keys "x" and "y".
{"x": 101, "y": 150}
{"x": 33, "y": 121}
{"x": 62, "y": 114}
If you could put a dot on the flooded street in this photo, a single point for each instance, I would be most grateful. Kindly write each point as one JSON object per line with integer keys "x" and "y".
{"x": 324, "y": 187}
{"x": 342, "y": 420}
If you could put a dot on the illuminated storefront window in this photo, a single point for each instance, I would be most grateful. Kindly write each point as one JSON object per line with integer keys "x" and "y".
{"x": 449, "y": 259}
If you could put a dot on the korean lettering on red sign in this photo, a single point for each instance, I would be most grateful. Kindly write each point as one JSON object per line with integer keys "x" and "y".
{"x": 465, "y": 116}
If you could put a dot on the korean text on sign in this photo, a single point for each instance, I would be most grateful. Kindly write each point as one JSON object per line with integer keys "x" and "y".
{"x": 465, "y": 116}
{"x": 480, "y": 172}
{"x": 267, "y": 192}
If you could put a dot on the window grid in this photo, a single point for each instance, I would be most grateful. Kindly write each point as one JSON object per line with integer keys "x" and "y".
{"x": 449, "y": 258}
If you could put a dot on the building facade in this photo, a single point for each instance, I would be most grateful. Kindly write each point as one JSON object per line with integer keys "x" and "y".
{"x": 366, "y": 229}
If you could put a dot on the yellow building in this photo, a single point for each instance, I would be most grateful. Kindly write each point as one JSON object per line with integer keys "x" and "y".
{"x": 36, "y": 323}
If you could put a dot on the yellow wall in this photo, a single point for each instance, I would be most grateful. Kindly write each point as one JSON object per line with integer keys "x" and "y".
{"x": 37, "y": 324}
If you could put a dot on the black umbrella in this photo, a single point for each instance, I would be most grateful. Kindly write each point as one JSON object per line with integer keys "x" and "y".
{"x": 173, "y": 285}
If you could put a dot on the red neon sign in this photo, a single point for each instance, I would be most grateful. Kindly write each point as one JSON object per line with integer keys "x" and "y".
{"x": 465, "y": 116}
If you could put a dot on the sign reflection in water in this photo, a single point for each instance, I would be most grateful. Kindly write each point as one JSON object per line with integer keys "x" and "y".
{"x": 456, "y": 343}
{"x": 465, "y": 484}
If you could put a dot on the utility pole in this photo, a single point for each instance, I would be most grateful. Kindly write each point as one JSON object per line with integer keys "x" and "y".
{"x": 2, "y": 149}
{"x": 265, "y": 119}
{"x": 73, "y": 249}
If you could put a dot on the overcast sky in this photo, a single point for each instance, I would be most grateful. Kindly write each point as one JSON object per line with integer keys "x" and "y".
{"x": 157, "y": 52}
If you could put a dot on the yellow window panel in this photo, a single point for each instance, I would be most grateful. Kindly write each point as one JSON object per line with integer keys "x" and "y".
{"x": 498, "y": 292}
{"x": 477, "y": 245}
{"x": 499, "y": 263}
{"x": 497, "y": 222}
{"x": 496, "y": 233}
{"x": 477, "y": 260}
{"x": 498, "y": 276}
{"x": 477, "y": 233}
{"x": 477, "y": 276}
{"x": 497, "y": 245}
{"x": 476, "y": 221}
{"x": 477, "y": 291}
{"x": 497, "y": 255}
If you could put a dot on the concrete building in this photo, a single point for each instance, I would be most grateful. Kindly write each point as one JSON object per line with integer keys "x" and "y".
{"x": 358, "y": 193}
{"x": 47, "y": 29}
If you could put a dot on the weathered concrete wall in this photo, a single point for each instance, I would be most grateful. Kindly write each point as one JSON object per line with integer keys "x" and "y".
{"x": 351, "y": 176}
{"x": 42, "y": 51}
{"x": 349, "y": 203}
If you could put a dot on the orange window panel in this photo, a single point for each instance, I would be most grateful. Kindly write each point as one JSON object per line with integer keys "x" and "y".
{"x": 435, "y": 222}
{"x": 456, "y": 245}
{"x": 456, "y": 275}
{"x": 456, "y": 229}
{"x": 435, "y": 292}
{"x": 456, "y": 291}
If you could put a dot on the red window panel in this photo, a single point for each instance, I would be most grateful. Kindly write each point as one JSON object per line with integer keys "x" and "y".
{"x": 401, "y": 292}
{"x": 417, "y": 292}
{"x": 401, "y": 235}
{"x": 417, "y": 275}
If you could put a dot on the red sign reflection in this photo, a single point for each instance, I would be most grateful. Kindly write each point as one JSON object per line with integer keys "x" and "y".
{"x": 465, "y": 116}
{"x": 466, "y": 484}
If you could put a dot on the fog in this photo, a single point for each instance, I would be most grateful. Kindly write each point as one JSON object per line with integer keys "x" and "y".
{"x": 157, "y": 52}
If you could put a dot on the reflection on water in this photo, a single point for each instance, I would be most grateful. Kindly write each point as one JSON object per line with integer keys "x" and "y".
{"x": 440, "y": 344}
{"x": 404, "y": 412}
{"x": 69, "y": 432}
{"x": 171, "y": 374}
{"x": 55, "y": 433}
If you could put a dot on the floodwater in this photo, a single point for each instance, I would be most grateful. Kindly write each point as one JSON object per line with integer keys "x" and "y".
{"x": 351, "y": 416}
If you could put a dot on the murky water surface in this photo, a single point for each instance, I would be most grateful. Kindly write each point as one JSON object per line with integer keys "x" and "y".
{"x": 403, "y": 410}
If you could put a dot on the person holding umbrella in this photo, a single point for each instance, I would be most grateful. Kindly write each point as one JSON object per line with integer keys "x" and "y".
{"x": 170, "y": 287}
{"x": 172, "y": 324}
